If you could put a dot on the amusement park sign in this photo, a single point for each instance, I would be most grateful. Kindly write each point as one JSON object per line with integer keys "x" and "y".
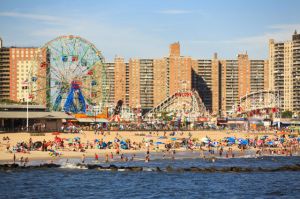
{"x": 183, "y": 94}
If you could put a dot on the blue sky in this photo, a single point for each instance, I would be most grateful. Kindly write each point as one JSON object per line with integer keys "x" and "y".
{"x": 144, "y": 29}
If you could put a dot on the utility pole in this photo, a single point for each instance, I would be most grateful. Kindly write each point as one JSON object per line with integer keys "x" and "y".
{"x": 27, "y": 98}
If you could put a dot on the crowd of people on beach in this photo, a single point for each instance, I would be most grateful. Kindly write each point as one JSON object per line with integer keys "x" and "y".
{"x": 281, "y": 143}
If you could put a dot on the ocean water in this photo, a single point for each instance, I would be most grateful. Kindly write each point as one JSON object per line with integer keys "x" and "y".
{"x": 72, "y": 182}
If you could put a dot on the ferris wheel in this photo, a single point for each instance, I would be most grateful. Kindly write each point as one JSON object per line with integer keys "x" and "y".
{"x": 69, "y": 75}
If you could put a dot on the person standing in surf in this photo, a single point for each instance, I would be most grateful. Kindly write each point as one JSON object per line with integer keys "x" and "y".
{"x": 96, "y": 157}
{"x": 83, "y": 158}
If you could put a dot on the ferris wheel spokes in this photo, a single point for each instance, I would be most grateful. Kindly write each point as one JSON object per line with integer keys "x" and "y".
{"x": 70, "y": 58}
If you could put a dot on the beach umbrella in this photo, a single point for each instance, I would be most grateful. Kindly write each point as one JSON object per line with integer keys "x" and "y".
{"x": 104, "y": 145}
{"x": 162, "y": 137}
{"x": 205, "y": 140}
{"x": 123, "y": 142}
{"x": 244, "y": 142}
{"x": 96, "y": 140}
{"x": 173, "y": 139}
{"x": 231, "y": 139}
{"x": 157, "y": 143}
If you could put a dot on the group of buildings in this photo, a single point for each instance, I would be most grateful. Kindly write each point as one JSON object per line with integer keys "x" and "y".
{"x": 220, "y": 83}
{"x": 144, "y": 83}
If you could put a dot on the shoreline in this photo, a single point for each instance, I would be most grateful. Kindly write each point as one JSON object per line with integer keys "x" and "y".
{"x": 183, "y": 155}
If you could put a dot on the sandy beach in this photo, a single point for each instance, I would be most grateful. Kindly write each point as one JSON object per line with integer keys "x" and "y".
{"x": 89, "y": 137}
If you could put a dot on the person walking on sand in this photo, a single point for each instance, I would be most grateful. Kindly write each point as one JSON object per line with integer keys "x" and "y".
{"x": 7, "y": 146}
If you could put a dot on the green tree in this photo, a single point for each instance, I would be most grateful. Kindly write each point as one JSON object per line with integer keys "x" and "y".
{"x": 287, "y": 114}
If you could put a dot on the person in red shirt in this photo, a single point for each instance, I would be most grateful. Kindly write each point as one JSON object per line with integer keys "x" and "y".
{"x": 96, "y": 157}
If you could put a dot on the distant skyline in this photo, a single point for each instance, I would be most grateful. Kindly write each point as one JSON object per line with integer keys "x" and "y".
{"x": 144, "y": 29}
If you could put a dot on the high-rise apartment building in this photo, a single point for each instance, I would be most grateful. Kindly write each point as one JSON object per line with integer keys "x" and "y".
{"x": 4, "y": 73}
{"x": 180, "y": 70}
{"x": 120, "y": 80}
{"x": 109, "y": 83}
{"x": 134, "y": 83}
{"x": 21, "y": 64}
{"x": 229, "y": 84}
{"x": 160, "y": 85}
{"x": 202, "y": 80}
{"x": 16, "y": 68}
{"x": 258, "y": 75}
{"x": 284, "y": 71}
{"x": 296, "y": 72}
{"x": 216, "y": 86}
{"x": 141, "y": 83}
{"x": 146, "y": 83}
{"x": 244, "y": 83}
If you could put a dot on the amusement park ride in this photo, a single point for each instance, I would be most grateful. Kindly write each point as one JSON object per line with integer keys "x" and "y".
{"x": 184, "y": 104}
{"x": 69, "y": 75}
{"x": 258, "y": 104}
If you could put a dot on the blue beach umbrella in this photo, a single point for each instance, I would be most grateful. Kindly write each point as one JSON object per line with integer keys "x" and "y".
{"x": 104, "y": 145}
{"x": 231, "y": 139}
{"x": 157, "y": 143}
